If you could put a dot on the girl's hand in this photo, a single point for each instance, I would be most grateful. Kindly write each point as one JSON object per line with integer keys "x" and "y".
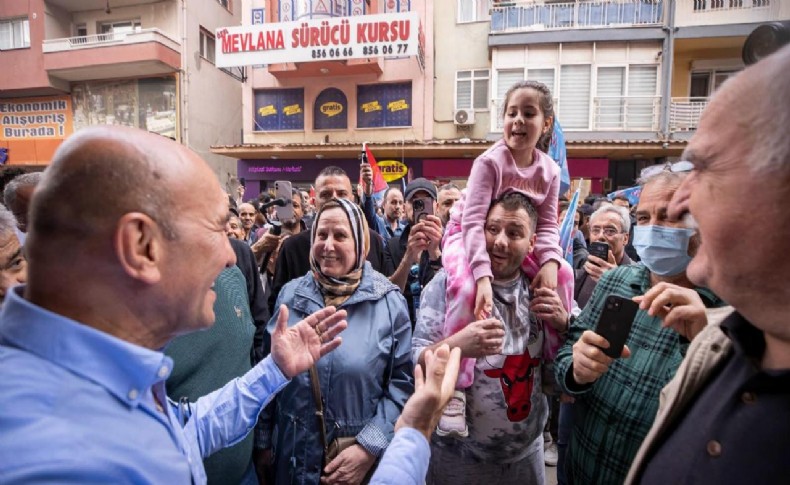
{"x": 547, "y": 276}
{"x": 484, "y": 300}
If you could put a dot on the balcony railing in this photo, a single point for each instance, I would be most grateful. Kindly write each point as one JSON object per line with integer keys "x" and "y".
{"x": 109, "y": 39}
{"x": 609, "y": 113}
{"x": 294, "y": 10}
{"x": 684, "y": 113}
{"x": 701, "y": 6}
{"x": 626, "y": 113}
{"x": 524, "y": 15}
{"x": 719, "y": 12}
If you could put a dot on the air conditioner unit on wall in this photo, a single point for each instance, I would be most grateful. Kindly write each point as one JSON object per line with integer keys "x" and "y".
{"x": 464, "y": 117}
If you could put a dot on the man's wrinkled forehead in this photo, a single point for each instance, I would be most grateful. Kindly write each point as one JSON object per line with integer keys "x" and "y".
{"x": 9, "y": 248}
{"x": 334, "y": 181}
{"x": 514, "y": 218}
{"x": 606, "y": 218}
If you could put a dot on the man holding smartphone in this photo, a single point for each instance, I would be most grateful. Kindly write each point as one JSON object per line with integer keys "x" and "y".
{"x": 416, "y": 253}
{"x": 609, "y": 227}
{"x": 616, "y": 398}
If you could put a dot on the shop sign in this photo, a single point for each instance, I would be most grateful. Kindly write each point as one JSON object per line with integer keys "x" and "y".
{"x": 393, "y": 170}
{"x": 35, "y": 118}
{"x": 322, "y": 39}
{"x": 329, "y": 112}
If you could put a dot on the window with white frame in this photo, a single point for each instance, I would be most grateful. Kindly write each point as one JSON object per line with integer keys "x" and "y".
{"x": 505, "y": 79}
{"x": 473, "y": 11}
{"x": 14, "y": 33}
{"x": 609, "y": 98}
{"x": 471, "y": 89}
{"x": 120, "y": 28}
{"x": 574, "y": 96}
{"x": 704, "y": 83}
{"x": 626, "y": 97}
{"x": 207, "y": 45}
{"x": 544, "y": 76}
{"x": 643, "y": 103}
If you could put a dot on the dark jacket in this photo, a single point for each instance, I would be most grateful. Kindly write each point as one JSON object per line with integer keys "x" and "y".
{"x": 294, "y": 261}
{"x": 245, "y": 260}
{"x": 584, "y": 285}
{"x": 394, "y": 250}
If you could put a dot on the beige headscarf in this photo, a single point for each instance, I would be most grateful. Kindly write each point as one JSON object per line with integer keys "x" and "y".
{"x": 338, "y": 290}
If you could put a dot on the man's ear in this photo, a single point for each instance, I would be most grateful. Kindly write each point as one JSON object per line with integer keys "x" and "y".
{"x": 139, "y": 245}
{"x": 532, "y": 239}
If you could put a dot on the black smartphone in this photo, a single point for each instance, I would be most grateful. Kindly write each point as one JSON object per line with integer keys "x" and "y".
{"x": 599, "y": 250}
{"x": 615, "y": 323}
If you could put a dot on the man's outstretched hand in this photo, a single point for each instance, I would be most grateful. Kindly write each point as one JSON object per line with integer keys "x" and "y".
{"x": 432, "y": 390}
{"x": 295, "y": 349}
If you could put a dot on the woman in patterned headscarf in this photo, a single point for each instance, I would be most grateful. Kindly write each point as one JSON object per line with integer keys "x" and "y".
{"x": 365, "y": 382}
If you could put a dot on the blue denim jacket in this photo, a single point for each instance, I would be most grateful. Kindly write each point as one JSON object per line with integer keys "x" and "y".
{"x": 364, "y": 383}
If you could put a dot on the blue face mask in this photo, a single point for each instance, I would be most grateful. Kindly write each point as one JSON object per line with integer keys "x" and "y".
{"x": 664, "y": 250}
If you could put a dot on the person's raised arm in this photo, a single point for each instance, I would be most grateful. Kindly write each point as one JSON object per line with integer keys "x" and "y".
{"x": 224, "y": 417}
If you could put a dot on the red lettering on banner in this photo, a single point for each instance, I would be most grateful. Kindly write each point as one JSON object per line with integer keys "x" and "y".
{"x": 361, "y": 34}
{"x": 277, "y": 40}
{"x": 315, "y": 33}
{"x": 246, "y": 43}
{"x": 383, "y": 31}
{"x": 384, "y": 35}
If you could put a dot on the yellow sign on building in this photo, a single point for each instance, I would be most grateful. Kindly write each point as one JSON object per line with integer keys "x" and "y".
{"x": 392, "y": 170}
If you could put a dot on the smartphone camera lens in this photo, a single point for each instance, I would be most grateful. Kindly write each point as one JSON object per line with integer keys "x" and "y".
{"x": 418, "y": 204}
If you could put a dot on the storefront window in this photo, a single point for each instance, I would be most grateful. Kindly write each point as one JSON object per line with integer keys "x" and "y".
{"x": 279, "y": 109}
{"x": 384, "y": 105}
{"x": 330, "y": 111}
{"x": 149, "y": 104}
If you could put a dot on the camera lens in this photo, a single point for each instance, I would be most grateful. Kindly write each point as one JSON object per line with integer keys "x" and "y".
{"x": 418, "y": 205}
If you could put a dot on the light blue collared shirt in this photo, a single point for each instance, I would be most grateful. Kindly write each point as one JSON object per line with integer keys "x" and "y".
{"x": 78, "y": 406}
{"x": 406, "y": 460}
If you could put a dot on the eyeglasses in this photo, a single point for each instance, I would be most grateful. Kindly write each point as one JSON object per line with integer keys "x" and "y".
{"x": 677, "y": 167}
{"x": 608, "y": 231}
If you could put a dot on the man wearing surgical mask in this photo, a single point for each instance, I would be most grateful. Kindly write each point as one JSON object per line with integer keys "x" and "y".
{"x": 617, "y": 399}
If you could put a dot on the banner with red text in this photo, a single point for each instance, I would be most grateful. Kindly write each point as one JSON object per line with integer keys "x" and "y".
{"x": 328, "y": 39}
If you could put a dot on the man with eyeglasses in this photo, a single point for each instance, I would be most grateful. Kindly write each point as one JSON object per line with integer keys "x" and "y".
{"x": 610, "y": 225}
{"x": 616, "y": 399}
{"x": 725, "y": 418}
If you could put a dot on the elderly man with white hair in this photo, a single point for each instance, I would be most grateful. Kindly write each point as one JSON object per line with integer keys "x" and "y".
{"x": 13, "y": 266}
{"x": 610, "y": 225}
{"x": 616, "y": 399}
{"x": 725, "y": 418}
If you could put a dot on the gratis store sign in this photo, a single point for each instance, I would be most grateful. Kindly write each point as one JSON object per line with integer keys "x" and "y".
{"x": 338, "y": 38}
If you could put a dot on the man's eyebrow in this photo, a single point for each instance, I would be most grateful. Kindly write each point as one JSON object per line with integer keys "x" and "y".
{"x": 11, "y": 259}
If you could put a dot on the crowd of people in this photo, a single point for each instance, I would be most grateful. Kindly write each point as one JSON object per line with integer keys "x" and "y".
{"x": 151, "y": 336}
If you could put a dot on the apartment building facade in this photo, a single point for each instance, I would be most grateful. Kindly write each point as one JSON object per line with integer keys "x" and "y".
{"x": 69, "y": 64}
{"x": 300, "y": 117}
{"x": 629, "y": 77}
